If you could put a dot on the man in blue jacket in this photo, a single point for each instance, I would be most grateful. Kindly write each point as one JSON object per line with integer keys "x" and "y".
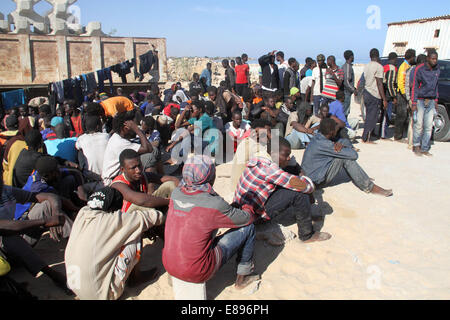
{"x": 424, "y": 97}
{"x": 324, "y": 159}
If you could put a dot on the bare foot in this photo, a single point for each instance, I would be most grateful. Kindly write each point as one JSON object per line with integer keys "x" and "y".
{"x": 427, "y": 154}
{"x": 382, "y": 192}
{"x": 139, "y": 277}
{"x": 243, "y": 282}
{"x": 318, "y": 237}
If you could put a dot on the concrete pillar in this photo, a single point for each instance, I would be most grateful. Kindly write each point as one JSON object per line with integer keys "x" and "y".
{"x": 21, "y": 26}
{"x": 63, "y": 58}
{"x": 94, "y": 29}
{"x": 96, "y": 53}
{"x": 4, "y": 24}
{"x": 25, "y": 58}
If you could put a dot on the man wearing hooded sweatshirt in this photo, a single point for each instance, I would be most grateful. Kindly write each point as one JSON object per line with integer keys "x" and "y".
{"x": 105, "y": 247}
{"x": 191, "y": 251}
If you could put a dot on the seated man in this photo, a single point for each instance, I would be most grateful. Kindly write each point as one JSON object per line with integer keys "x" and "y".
{"x": 26, "y": 162}
{"x": 285, "y": 111}
{"x": 49, "y": 178}
{"x": 62, "y": 146}
{"x": 92, "y": 146}
{"x": 11, "y": 228}
{"x": 337, "y": 110}
{"x": 272, "y": 191}
{"x": 12, "y": 127}
{"x": 270, "y": 113}
{"x": 237, "y": 130}
{"x": 19, "y": 249}
{"x": 197, "y": 114}
{"x": 116, "y": 105}
{"x": 137, "y": 187}
{"x": 190, "y": 251}
{"x": 323, "y": 159}
{"x": 125, "y": 130}
{"x": 105, "y": 247}
{"x": 302, "y": 125}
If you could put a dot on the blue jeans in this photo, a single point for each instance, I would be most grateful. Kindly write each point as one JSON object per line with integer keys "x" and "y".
{"x": 347, "y": 102}
{"x": 299, "y": 139}
{"x": 317, "y": 101}
{"x": 242, "y": 242}
{"x": 423, "y": 127}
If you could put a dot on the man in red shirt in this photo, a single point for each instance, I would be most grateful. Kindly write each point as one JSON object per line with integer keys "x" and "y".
{"x": 242, "y": 76}
{"x": 191, "y": 251}
{"x": 136, "y": 186}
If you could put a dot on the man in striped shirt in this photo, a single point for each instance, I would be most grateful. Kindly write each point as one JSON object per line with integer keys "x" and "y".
{"x": 334, "y": 78}
{"x": 272, "y": 191}
{"x": 401, "y": 117}
{"x": 390, "y": 83}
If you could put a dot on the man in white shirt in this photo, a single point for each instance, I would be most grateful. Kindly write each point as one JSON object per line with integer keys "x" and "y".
{"x": 373, "y": 93}
{"x": 283, "y": 66}
{"x": 125, "y": 129}
{"x": 92, "y": 144}
{"x": 318, "y": 82}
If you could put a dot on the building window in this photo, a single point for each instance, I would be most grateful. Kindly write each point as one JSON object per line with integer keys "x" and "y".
{"x": 400, "y": 48}
{"x": 436, "y": 33}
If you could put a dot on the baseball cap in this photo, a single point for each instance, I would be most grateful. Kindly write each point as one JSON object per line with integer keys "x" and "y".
{"x": 56, "y": 121}
{"x": 294, "y": 91}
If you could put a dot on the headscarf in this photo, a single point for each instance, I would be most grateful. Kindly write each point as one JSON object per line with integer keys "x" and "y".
{"x": 198, "y": 174}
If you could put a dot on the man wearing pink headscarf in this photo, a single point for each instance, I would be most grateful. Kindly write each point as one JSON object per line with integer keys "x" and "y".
{"x": 191, "y": 252}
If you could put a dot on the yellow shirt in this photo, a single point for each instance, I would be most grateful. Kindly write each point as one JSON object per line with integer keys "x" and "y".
{"x": 10, "y": 163}
{"x": 113, "y": 106}
{"x": 401, "y": 79}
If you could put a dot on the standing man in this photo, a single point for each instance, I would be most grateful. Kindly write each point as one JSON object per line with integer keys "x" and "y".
{"x": 424, "y": 102}
{"x": 230, "y": 75}
{"x": 270, "y": 75}
{"x": 334, "y": 79}
{"x": 390, "y": 83}
{"x": 349, "y": 80}
{"x": 242, "y": 76}
{"x": 308, "y": 63}
{"x": 401, "y": 118}
{"x": 290, "y": 79}
{"x": 284, "y": 65}
{"x": 318, "y": 82}
{"x": 207, "y": 75}
{"x": 373, "y": 93}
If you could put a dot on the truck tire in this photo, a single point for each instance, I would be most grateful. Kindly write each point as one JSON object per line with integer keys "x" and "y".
{"x": 441, "y": 125}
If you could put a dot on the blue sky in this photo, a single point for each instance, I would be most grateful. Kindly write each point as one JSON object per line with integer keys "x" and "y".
{"x": 228, "y": 28}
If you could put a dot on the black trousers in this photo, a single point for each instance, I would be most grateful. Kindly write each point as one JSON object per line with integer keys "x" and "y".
{"x": 240, "y": 88}
{"x": 284, "y": 201}
{"x": 401, "y": 117}
{"x": 372, "y": 110}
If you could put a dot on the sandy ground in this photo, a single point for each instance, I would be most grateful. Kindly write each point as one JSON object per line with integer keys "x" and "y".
{"x": 395, "y": 248}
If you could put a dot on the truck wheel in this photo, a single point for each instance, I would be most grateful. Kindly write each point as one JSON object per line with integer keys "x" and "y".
{"x": 441, "y": 125}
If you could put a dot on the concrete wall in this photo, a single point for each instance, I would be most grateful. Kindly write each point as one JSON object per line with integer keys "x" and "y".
{"x": 27, "y": 59}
